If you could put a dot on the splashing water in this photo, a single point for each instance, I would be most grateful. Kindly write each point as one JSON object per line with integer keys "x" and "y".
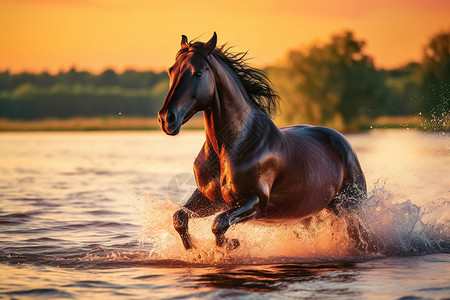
{"x": 70, "y": 229}
{"x": 393, "y": 228}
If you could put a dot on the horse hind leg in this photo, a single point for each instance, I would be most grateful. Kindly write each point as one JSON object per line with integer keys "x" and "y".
{"x": 354, "y": 189}
{"x": 349, "y": 202}
{"x": 349, "y": 205}
{"x": 352, "y": 195}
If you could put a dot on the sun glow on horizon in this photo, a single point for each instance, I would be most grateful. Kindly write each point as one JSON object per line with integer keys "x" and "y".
{"x": 93, "y": 35}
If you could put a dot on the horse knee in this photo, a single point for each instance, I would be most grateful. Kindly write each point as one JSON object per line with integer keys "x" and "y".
{"x": 180, "y": 220}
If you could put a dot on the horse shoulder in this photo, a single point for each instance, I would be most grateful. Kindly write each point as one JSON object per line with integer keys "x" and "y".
{"x": 207, "y": 173}
{"x": 253, "y": 171}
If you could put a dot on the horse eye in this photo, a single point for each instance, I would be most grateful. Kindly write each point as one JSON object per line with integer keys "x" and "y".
{"x": 198, "y": 74}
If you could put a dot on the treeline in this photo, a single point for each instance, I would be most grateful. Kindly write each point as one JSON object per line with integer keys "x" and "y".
{"x": 337, "y": 84}
{"x": 80, "y": 93}
{"x": 334, "y": 84}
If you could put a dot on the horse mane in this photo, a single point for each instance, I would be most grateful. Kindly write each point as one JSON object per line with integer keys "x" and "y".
{"x": 260, "y": 90}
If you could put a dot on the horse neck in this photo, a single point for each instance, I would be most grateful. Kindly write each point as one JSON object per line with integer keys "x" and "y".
{"x": 229, "y": 112}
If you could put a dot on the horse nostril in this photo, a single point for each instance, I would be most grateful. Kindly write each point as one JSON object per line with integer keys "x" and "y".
{"x": 171, "y": 118}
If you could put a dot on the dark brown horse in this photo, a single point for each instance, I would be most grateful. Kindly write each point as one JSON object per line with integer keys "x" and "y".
{"x": 247, "y": 166}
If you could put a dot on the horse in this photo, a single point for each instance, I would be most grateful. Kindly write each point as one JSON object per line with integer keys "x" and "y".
{"x": 248, "y": 168}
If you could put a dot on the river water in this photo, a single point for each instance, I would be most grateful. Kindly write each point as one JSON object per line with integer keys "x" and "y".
{"x": 88, "y": 215}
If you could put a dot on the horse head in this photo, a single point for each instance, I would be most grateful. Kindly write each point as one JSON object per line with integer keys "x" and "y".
{"x": 192, "y": 85}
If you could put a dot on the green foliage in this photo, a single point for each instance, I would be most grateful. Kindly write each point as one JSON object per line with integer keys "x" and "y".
{"x": 335, "y": 84}
{"x": 405, "y": 84}
{"x": 74, "y": 93}
{"x": 436, "y": 81}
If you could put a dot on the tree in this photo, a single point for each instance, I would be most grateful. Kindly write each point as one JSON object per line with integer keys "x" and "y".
{"x": 340, "y": 78}
{"x": 108, "y": 78}
{"x": 436, "y": 81}
{"x": 405, "y": 84}
{"x": 79, "y": 93}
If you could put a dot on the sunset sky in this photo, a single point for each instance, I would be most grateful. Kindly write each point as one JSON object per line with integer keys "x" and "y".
{"x": 92, "y": 35}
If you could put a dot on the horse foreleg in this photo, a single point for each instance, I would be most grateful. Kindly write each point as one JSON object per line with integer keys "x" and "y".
{"x": 180, "y": 222}
{"x": 197, "y": 206}
{"x": 246, "y": 210}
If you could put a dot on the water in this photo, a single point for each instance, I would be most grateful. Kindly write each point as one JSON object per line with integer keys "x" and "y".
{"x": 87, "y": 215}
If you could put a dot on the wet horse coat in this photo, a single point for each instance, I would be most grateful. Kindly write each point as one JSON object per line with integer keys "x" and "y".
{"x": 247, "y": 166}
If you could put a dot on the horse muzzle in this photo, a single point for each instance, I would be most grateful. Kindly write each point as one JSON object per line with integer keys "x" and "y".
{"x": 169, "y": 122}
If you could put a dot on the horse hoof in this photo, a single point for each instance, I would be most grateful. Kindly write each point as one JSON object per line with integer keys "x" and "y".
{"x": 188, "y": 246}
{"x": 187, "y": 243}
{"x": 233, "y": 244}
{"x": 220, "y": 240}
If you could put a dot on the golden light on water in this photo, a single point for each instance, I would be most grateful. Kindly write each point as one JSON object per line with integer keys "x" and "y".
{"x": 407, "y": 164}
{"x": 75, "y": 223}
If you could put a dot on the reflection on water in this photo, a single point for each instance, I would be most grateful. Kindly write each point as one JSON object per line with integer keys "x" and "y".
{"x": 387, "y": 278}
{"x": 85, "y": 215}
{"x": 278, "y": 277}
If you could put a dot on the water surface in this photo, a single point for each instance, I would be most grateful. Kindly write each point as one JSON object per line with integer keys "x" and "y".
{"x": 87, "y": 215}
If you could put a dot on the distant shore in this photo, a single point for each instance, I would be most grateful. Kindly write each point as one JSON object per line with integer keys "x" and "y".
{"x": 139, "y": 123}
{"x": 89, "y": 124}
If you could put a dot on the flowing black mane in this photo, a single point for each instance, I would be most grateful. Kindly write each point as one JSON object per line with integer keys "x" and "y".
{"x": 261, "y": 91}
{"x": 259, "y": 88}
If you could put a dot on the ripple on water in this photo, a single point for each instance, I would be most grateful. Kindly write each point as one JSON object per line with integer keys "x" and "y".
{"x": 14, "y": 219}
{"x": 41, "y": 293}
{"x": 67, "y": 226}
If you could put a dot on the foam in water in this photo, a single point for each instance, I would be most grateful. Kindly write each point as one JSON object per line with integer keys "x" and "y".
{"x": 393, "y": 228}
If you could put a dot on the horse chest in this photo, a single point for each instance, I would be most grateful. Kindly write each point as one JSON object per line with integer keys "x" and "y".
{"x": 226, "y": 183}
{"x": 230, "y": 190}
{"x": 238, "y": 179}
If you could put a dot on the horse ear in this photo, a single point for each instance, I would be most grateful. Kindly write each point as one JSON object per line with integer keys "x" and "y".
{"x": 211, "y": 44}
{"x": 184, "y": 41}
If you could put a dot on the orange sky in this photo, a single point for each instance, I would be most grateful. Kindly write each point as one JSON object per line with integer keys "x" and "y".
{"x": 52, "y": 35}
